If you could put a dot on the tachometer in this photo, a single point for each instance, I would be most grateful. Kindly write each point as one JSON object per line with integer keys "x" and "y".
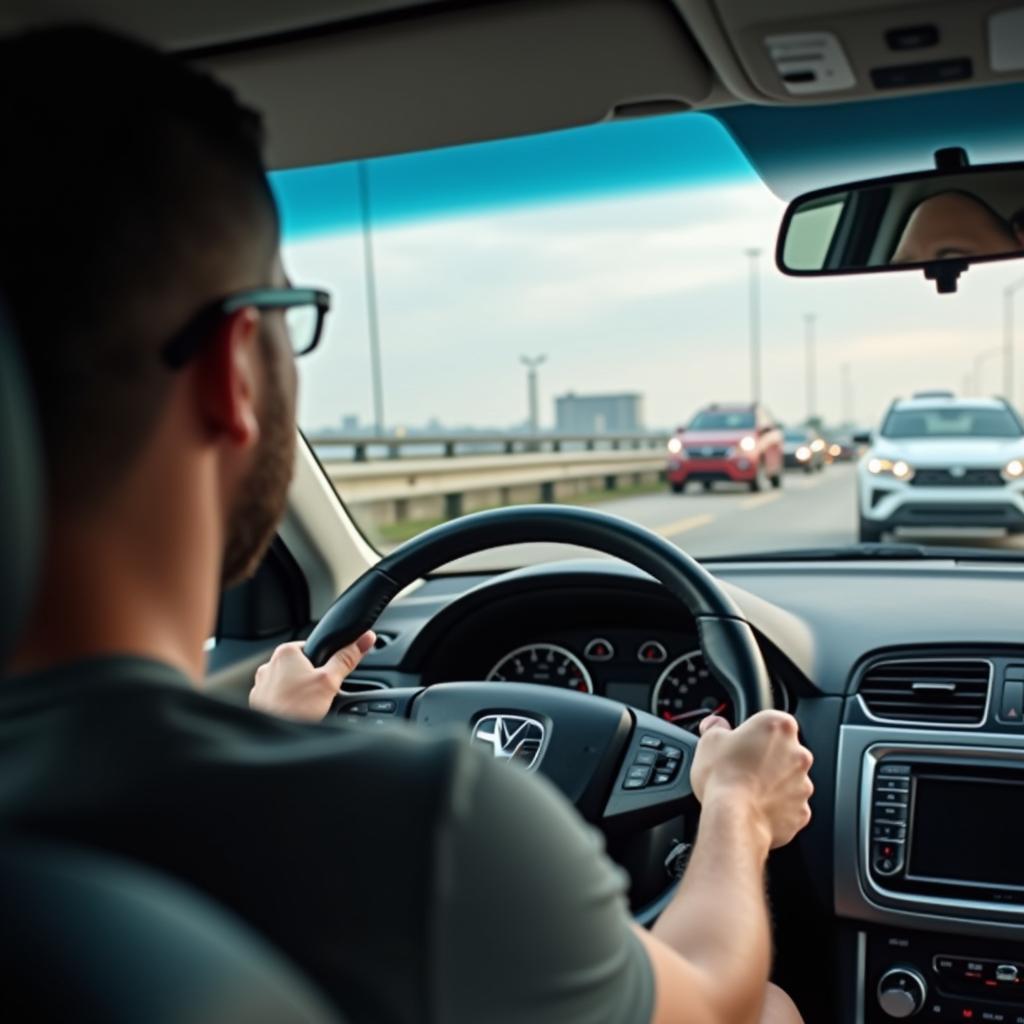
{"x": 687, "y": 692}
{"x": 543, "y": 663}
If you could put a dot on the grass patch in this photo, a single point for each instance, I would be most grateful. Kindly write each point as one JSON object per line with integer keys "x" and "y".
{"x": 390, "y": 535}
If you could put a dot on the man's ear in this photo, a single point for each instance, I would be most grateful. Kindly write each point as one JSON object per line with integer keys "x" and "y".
{"x": 229, "y": 374}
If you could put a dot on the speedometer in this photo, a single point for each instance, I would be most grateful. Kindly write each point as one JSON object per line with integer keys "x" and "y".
{"x": 548, "y": 664}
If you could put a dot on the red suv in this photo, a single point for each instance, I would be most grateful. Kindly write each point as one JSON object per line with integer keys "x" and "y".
{"x": 741, "y": 443}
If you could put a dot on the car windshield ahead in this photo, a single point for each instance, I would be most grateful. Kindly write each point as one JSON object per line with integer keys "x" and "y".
{"x": 951, "y": 423}
{"x": 795, "y": 435}
{"x": 535, "y": 319}
{"x": 713, "y": 420}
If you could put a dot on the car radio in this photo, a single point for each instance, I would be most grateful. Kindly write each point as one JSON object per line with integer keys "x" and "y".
{"x": 946, "y": 827}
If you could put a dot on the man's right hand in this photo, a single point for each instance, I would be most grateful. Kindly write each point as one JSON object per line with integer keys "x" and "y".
{"x": 761, "y": 764}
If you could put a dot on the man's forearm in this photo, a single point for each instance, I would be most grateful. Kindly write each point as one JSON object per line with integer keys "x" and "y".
{"x": 718, "y": 919}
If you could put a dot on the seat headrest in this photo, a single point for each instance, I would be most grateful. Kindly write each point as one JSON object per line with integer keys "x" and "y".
{"x": 21, "y": 508}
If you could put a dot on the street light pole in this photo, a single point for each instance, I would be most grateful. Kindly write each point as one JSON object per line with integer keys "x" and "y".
{"x": 531, "y": 363}
{"x": 754, "y": 308}
{"x": 363, "y": 180}
{"x": 1008, "y": 368}
{"x": 812, "y": 366}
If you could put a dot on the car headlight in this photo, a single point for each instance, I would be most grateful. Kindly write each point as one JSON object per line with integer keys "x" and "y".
{"x": 887, "y": 467}
{"x": 748, "y": 444}
{"x": 835, "y": 451}
{"x": 1013, "y": 470}
{"x": 803, "y": 453}
{"x": 675, "y": 446}
{"x": 817, "y": 444}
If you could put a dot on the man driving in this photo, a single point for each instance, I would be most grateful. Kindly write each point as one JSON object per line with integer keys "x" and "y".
{"x": 412, "y": 878}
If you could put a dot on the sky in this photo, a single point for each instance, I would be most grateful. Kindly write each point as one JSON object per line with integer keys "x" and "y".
{"x": 618, "y": 252}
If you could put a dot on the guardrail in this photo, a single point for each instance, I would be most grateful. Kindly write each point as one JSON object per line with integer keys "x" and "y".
{"x": 361, "y": 448}
{"x": 428, "y": 477}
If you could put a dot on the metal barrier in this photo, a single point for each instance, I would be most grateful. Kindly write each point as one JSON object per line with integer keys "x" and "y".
{"x": 452, "y": 474}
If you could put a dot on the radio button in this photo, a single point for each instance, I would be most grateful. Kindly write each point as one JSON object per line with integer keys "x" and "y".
{"x": 884, "y": 830}
{"x": 891, "y": 812}
{"x": 893, "y": 769}
{"x": 1007, "y": 972}
{"x": 891, "y": 798}
{"x": 892, "y": 785}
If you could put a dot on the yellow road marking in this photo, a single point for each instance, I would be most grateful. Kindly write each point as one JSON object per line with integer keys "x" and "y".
{"x": 683, "y": 525}
{"x": 761, "y": 499}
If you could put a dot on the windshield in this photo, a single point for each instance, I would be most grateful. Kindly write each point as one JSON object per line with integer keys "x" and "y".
{"x": 722, "y": 421}
{"x": 926, "y": 423}
{"x": 545, "y": 319}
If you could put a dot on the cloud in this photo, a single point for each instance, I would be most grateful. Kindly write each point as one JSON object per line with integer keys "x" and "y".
{"x": 645, "y": 292}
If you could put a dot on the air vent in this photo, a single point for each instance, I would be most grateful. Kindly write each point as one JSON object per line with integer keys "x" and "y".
{"x": 929, "y": 692}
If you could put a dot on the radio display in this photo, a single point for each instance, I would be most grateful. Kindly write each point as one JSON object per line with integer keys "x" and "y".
{"x": 968, "y": 830}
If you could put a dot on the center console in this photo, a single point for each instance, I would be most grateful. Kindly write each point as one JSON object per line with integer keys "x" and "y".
{"x": 930, "y": 865}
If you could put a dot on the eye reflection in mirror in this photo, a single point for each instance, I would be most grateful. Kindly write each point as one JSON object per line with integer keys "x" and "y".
{"x": 957, "y": 224}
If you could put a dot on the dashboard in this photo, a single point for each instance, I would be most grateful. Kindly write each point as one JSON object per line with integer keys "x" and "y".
{"x": 899, "y": 899}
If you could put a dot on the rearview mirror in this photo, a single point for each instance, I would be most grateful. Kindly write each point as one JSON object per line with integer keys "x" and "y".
{"x": 939, "y": 221}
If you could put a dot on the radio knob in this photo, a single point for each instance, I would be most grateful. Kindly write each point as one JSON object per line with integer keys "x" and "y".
{"x": 901, "y": 992}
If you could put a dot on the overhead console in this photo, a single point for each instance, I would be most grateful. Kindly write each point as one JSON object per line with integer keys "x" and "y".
{"x": 806, "y": 50}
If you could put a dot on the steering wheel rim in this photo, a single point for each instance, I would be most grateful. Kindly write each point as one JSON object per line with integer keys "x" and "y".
{"x": 726, "y": 638}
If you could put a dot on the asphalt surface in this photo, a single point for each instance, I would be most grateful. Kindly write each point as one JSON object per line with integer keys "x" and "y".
{"x": 809, "y": 511}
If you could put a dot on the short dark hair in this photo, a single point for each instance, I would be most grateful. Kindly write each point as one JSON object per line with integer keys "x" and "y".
{"x": 128, "y": 182}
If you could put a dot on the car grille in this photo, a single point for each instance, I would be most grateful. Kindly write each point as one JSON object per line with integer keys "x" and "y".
{"x": 708, "y": 452}
{"x": 968, "y": 478}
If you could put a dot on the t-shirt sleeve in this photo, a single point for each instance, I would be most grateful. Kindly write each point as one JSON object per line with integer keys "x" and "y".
{"x": 531, "y": 921}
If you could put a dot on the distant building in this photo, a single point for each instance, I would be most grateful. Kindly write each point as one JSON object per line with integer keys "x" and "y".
{"x": 599, "y": 414}
{"x": 350, "y": 424}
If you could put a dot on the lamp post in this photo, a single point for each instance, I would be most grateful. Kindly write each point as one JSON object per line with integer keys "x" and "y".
{"x": 363, "y": 180}
{"x": 810, "y": 345}
{"x": 754, "y": 313}
{"x": 1008, "y": 369}
{"x": 532, "y": 363}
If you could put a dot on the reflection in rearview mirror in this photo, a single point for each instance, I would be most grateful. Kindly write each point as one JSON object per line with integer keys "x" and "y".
{"x": 938, "y": 221}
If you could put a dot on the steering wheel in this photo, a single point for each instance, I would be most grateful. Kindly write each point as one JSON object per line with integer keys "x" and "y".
{"x": 619, "y": 765}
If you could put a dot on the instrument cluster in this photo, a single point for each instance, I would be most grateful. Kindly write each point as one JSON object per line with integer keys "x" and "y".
{"x": 666, "y": 675}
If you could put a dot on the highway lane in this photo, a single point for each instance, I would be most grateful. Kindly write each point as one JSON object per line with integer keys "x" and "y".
{"x": 810, "y": 510}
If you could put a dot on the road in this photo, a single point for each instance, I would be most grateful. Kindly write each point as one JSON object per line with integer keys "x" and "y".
{"x": 809, "y": 511}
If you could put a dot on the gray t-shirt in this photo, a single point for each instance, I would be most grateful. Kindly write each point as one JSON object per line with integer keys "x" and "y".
{"x": 414, "y": 879}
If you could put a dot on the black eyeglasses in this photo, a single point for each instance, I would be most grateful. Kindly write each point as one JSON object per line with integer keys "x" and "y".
{"x": 304, "y": 312}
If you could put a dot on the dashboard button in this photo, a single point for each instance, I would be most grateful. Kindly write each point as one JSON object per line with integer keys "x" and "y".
{"x": 661, "y": 778}
{"x": 672, "y": 753}
{"x": 891, "y": 812}
{"x": 892, "y": 785}
{"x": 634, "y": 784}
{"x": 599, "y": 649}
{"x": 1012, "y": 707}
{"x": 381, "y": 707}
{"x": 884, "y": 830}
{"x": 893, "y": 769}
{"x": 354, "y": 709}
{"x": 893, "y": 797}
{"x": 641, "y": 772}
{"x": 645, "y": 756}
{"x": 650, "y": 741}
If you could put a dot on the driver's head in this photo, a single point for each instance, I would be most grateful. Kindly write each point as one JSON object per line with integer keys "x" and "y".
{"x": 952, "y": 224}
{"x": 132, "y": 195}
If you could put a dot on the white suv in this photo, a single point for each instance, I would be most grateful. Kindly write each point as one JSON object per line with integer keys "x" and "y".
{"x": 943, "y": 461}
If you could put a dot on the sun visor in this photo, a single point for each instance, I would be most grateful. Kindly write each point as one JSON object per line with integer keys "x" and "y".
{"x": 465, "y": 74}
